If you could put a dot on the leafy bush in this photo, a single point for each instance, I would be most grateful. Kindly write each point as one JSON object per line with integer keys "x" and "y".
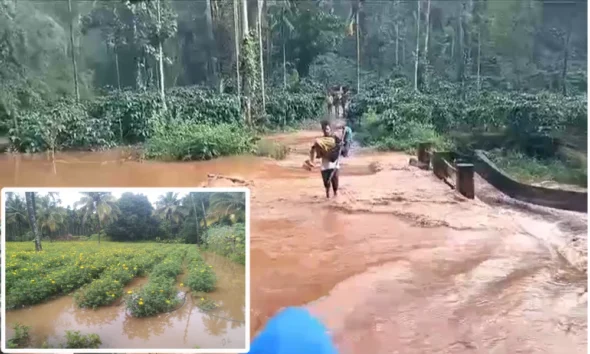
{"x": 21, "y": 337}
{"x": 61, "y": 125}
{"x": 201, "y": 276}
{"x": 157, "y": 296}
{"x": 199, "y": 142}
{"x": 392, "y": 116}
{"x": 77, "y": 340}
{"x": 286, "y": 109}
{"x": 228, "y": 241}
{"x": 103, "y": 291}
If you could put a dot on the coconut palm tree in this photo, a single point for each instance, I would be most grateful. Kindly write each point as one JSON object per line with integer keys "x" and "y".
{"x": 228, "y": 204}
{"x": 50, "y": 216}
{"x": 168, "y": 207}
{"x": 16, "y": 212}
{"x": 101, "y": 204}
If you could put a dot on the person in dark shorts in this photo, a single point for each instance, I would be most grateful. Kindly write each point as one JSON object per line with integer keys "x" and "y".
{"x": 330, "y": 169}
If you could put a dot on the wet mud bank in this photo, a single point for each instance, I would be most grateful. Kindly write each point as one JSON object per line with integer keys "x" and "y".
{"x": 397, "y": 263}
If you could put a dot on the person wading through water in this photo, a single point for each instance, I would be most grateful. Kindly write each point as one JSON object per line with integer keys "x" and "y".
{"x": 328, "y": 149}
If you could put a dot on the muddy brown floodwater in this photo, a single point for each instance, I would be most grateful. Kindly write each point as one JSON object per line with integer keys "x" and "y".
{"x": 187, "y": 327}
{"x": 397, "y": 263}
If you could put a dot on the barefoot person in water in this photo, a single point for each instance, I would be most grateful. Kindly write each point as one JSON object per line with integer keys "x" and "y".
{"x": 328, "y": 149}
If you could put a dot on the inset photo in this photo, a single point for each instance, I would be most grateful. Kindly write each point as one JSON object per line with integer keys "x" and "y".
{"x": 125, "y": 270}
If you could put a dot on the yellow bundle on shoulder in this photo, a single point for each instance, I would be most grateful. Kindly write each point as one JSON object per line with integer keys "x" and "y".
{"x": 324, "y": 146}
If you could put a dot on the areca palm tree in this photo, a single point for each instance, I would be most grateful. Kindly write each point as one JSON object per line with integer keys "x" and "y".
{"x": 31, "y": 213}
{"x": 101, "y": 204}
{"x": 228, "y": 204}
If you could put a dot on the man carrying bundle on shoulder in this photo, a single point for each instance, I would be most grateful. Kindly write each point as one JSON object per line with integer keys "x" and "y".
{"x": 328, "y": 149}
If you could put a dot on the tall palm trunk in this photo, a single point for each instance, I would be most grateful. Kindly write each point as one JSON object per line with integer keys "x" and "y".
{"x": 566, "y": 45}
{"x": 117, "y": 68}
{"x": 196, "y": 216}
{"x": 284, "y": 44}
{"x": 247, "y": 89}
{"x": 427, "y": 29}
{"x": 32, "y": 211}
{"x": 204, "y": 215}
{"x": 479, "y": 59}
{"x": 73, "y": 51}
{"x": 261, "y": 53}
{"x": 417, "y": 54}
{"x": 244, "y": 18}
{"x": 358, "y": 52}
{"x": 211, "y": 45}
{"x": 138, "y": 69}
{"x": 160, "y": 58}
{"x": 396, "y": 44}
{"x": 237, "y": 50}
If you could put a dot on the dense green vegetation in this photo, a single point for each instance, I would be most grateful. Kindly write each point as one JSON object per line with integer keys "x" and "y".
{"x": 214, "y": 221}
{"x": 198, "y": 80}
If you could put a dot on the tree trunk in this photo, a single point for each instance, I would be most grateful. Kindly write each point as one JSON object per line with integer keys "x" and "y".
{"x": 284, "y": 45}
{"x": 196, "y": 216}
{"x": 461, "y": 50}
{"x": 358, "y": 52}
{"x": 261, "y": 54}
{"x": 566, "y": 45}
{"x": 99, "y": 227}
{"x": 396, "y": 44}
{"x": 117, "y": 68}
{"x": 31, "y": 211}
{"x": 237, "y": 50}
{"x": 138, "y": 69}
{"x": 479, "y": 59}
{"x": 160, "y": 58}
{"x": 204, "y": 215}
{"x": 73, "y": 52}
{"x": 417, "y": 54}
{"x": 427, "y": 30}
{"x": 211, "y": 45}
{"x": 268, "y": 39}
{"x": 244, "y": 19}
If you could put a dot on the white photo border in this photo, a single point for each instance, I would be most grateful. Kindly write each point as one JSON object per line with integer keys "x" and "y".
{"x": 3, "y": 339}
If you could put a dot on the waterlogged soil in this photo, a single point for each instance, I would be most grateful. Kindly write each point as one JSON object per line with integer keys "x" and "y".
{"x": 397, "y": 263}
{"x": 185, "y": 328}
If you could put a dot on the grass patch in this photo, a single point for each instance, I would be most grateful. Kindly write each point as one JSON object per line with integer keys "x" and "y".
{"x": 387, "y": 132}
{"x": 186, "y": 142}
{"x": 77, "y": 340}
{"x": 529, "y": 169}
{"x": 272, "y": 149}
{"x": 21, "y": 338}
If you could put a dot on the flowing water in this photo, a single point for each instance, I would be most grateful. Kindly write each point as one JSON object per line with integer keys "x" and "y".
{"x": 397, "y": 263}
{"x": 187, "y": 327}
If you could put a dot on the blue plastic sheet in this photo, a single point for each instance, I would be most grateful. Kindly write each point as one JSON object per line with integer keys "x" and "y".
{"x": 293, "y": 331}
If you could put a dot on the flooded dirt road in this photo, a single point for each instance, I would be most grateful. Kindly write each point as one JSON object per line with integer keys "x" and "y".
{"x": 187, "y": 327}
{"x": 398, "y": 263}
